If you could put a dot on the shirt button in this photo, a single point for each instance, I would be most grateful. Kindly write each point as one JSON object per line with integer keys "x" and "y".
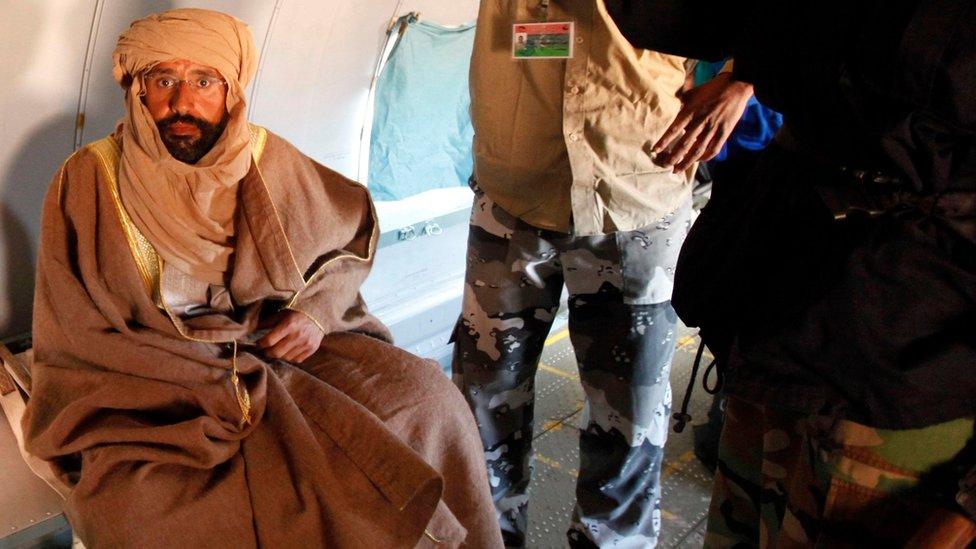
{"x": 579, "y": 39}
{"x": 575, "y": 136}
{"x": 574, "y": 89}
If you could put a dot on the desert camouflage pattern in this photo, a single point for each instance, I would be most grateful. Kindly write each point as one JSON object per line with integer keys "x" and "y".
{"x": 793, "y": 480}
{"x": 622, "y": 328}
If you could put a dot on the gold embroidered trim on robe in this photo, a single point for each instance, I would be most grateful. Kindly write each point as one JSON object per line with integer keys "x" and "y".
{"x": 147, "y": 260}
{"x": 149, "y": 263}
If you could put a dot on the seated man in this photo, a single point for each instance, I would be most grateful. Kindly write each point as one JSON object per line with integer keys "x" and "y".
{"x": 206, "y": 372}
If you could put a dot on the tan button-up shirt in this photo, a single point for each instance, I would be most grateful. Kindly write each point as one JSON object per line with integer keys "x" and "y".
{"x": 564, "y": 144}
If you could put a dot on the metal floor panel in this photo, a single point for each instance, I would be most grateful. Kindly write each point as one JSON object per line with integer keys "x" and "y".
{"x": 684, "y": 502}
{"x": 551, "y": 492}
{"x": 686, "y": 484}
{"x": 29, "y": 509}
{"x": 695, "y": 539}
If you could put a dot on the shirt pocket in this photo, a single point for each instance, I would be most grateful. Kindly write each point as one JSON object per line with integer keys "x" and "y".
{"x": 871, "y": 499}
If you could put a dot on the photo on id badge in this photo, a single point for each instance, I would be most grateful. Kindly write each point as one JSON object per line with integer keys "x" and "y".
{"x": 542, "y": 40}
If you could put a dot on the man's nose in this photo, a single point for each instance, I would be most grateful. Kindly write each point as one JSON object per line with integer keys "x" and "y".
{"x": 182, "y": 99}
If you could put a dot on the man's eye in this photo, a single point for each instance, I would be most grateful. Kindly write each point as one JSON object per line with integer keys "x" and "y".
{"x": 165, "y": 82}
{"x": 204, "y": 83}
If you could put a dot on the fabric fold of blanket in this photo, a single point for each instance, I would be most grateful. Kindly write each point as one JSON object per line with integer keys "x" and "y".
{"x": 362, "y": 445}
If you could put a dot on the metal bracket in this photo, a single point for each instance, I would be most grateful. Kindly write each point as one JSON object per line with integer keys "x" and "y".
{"x": 407, "y": 233}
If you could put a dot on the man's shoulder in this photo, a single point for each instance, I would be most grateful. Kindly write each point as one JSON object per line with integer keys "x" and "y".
{"x": 93, "y": 155}
{"x": 77, "y": 180}
{"x": 89, "y": 163}
{"x": 273, "y": 146}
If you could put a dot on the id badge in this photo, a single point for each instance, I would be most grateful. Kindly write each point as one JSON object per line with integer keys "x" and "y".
{"x": 542, "y": 40}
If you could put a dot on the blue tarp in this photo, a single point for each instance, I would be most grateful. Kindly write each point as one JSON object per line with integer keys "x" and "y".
{"x": 421, "y": 135}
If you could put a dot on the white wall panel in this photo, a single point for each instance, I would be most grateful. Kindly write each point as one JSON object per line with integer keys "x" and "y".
{"x": 43, "y": 48}
{"x": 313, "y": 85}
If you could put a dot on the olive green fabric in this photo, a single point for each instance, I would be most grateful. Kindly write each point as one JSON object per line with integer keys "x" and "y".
{"x": 792, "y": 480}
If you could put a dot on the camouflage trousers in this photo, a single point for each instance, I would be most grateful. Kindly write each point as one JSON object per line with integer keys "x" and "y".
{"x": 794, "y": 480}
{"x": 622, "y": 328}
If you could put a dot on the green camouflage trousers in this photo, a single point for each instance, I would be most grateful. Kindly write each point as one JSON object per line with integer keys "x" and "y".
{"x": 794, "y": 480}
{"x": 622, "y": 328}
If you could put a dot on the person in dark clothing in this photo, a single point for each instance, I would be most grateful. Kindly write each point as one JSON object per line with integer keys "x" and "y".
{"x": 843, "y": 270}
{"x": 729, "y": 170}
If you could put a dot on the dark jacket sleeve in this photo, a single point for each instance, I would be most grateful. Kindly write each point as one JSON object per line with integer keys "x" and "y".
{"x": 690, "y": 28}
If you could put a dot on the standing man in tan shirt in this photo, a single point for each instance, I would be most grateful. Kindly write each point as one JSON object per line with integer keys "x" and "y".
{"x": 584, "y": 159}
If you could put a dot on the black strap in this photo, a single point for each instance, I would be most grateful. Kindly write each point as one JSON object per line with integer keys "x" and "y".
{"x": 683, "y": 418}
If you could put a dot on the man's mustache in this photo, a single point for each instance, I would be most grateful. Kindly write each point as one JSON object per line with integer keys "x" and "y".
{"x": 186, "y": 148}
{"x": 202, "y": 125}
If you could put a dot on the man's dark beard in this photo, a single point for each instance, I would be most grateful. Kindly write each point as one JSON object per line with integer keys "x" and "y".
{"x": 190, "y": 149}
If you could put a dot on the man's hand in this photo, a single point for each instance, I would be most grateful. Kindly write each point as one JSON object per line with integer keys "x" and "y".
{"x": 708, "y": 116}
{"x": 293, "y": 336}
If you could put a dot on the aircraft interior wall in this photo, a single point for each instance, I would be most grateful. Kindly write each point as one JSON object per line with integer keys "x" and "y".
{"x": 317, "y": 59}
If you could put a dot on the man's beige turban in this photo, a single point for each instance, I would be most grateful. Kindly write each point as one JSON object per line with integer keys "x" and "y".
{"x": 186, "y": 211}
